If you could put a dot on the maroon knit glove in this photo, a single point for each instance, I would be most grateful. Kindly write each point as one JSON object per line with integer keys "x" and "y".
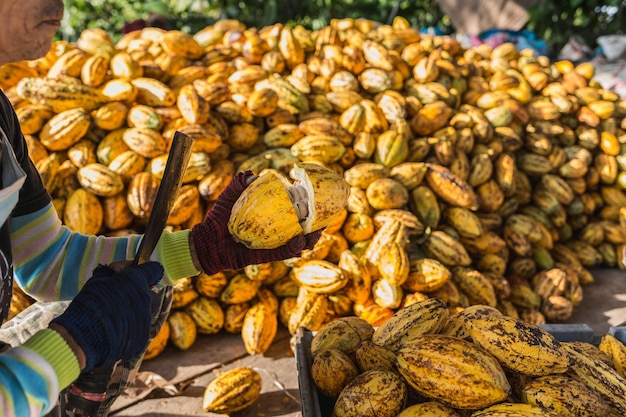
{"x": 217, "y": 249}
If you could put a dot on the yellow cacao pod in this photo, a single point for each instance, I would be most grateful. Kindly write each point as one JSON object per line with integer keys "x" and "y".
{"x": 141, "y": 194}
{"x": 259, "y": 328}
{"x": 117, "y": 215}
{"x": 32, "y": 117}
{"x": 65, "y": 129}
{"x": 110, "y": 116}
{"x": 100, "y": 180}
{"x": 60, "y": 95}
{"x": 94, "y": 71}
{"x": 158, "y": 343}
{"x": 565, "y": 396}
{"x": 429, "y": 408}
{"x": 207, "y": 314}
{"x": 331, "y": 370}
{"x": 319, "y": 194}
{"x": 453, "y": 371}
{"x": 83, "y": 212}
{"x": 232, "y": 391}
{"x": 239, "y": 289}
{"x": 372, "y": 393}
{"x": 524, "y": 347}
{"x": 183, "y": 331}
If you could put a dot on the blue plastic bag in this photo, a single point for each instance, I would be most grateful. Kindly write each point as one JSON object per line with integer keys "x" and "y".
{"x": 524, "y": 39}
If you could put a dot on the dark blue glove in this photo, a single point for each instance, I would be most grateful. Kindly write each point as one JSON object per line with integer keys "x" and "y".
{"x": 110, "y": 318}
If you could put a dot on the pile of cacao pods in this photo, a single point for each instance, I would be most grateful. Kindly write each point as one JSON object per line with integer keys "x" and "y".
{"x": 478, "y": 176}
{"x": 424, "y": 361}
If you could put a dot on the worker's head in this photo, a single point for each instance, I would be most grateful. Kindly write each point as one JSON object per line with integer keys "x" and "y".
{"x": 27, "y": 28}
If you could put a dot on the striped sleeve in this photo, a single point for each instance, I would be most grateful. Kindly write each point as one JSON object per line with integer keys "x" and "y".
{"x": 52, "y": 263}
{"x": 32, "y": 375}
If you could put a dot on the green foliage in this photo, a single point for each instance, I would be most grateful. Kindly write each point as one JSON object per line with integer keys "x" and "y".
{"x": 557, "y": 21}
{"x": 109, "y": 15}
{"x": 192, "y": 15}
{"x": 553, "y": 21}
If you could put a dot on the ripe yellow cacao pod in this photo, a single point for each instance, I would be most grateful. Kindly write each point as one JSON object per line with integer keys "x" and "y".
{"x": 232, "y": 391}
{"x": 100, "y": 180}
{"x": 509, "y": 409}
{"x": 453, "y": 371}
{"x": 565, "y": 396}
{"x": 158, "y": 343}
{"x": 372, "y": 393}
{"x": 331, "y": 370}
{"x": 183, "y": 331}
{"x": 345, "y": 334}
{"x": 60, "y": 95}
{"x": 523, "y": 347}
{"x": 207, "y": 314}
{"x": 83, "y": 212}
{"x": 259, "y": 328}
{"x": 312, "y": 202}
{"x": 32, "y": 117}
{"x": 429, "y": 408}
{"x": 65, "y": 129}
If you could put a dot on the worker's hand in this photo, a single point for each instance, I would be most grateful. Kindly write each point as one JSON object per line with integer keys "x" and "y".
{"x": 110, "y": 317}
{"x": 216, "y": 249}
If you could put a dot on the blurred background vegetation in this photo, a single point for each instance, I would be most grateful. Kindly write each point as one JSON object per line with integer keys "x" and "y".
{"x": 192, "y": 15}
{"x": 553, "y": 21}
{"x": 556, "y": 21}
